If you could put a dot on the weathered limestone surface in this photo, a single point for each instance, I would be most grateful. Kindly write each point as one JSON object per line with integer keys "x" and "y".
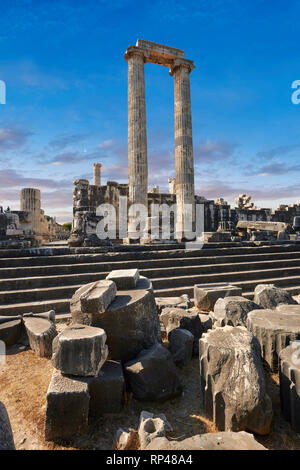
{"x": 151, "y": 427}
{"x": 215, "y": 441}
{"x": 107, "y": 390}
{"x": 194, "y": 322}
{"x": 289, "y": 374}
{"x": 92, "y": 299}
{"x": 137, "y": 133}
{"x": 6, "y": 435}
{"x": 206, "y": 295}
{"x": 152, "y": 375}
{"x": 274, "y": 331}
{"x": 80, "y": 350}
{"x": 173, "y": 302}
{"x": 131, "y": 321}
{"x": 269, "y": 296}
{"x": 41, "y": 331}
{"x": 232, "y": 381}
{"x": 67, "y": 407}
{"x": 184, "y": 159}
{"x": 124, "y": 438}
{"x": 181, "y": 344}
{"x": 124, "y": 278}
{"x": 286, "y": 308}
{"x": 10, "y": 330}
{"x": 233, "y": 311}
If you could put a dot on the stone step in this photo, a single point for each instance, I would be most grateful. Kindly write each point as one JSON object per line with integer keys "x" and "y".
{"x": 100, "y": 266}
{"x": 62, "y": 306}
{"x": 291, "y": 284}
{"x": 158, "y": 275}
{"x": 168, "y": 283}
{"x": 53, "y": 260}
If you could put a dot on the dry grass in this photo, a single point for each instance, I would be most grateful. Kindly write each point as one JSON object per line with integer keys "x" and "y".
{"x": 23, "y": 387}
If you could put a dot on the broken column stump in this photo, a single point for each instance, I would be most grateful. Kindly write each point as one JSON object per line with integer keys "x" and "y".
{"x": 206, "y": 295}
{"x": 10, "y": 329}
{"x": 232, "y": 381}
{"x": 41, "y": 331}
{"x": 80, "y": 350}
{"x": 130, "y": 321}
{"x": 289, "y": 374}
{"x": 274, "y": 331}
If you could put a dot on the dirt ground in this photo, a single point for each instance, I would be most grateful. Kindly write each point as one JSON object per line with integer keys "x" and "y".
{"x": 23, "y": 386}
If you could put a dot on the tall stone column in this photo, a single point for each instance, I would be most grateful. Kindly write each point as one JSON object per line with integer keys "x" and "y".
{"x": 184, "y": 159}
{"x": 97, "y": 174}
{"x": 137, "y": 134}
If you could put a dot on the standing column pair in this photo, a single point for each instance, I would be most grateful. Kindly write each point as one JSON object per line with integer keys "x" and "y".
{"x": 137, "y": 139}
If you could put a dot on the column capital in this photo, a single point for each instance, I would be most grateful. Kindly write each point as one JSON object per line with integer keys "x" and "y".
{"x": 97, "y": 165}
{"x": 134, "y": 50}
{"x": 179, "y": 63}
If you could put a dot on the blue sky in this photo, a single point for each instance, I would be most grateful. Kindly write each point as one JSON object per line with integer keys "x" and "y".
{"x": 66, "y": 79}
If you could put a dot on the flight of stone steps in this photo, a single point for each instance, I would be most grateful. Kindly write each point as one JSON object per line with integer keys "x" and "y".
{"x": 37, "y": 280}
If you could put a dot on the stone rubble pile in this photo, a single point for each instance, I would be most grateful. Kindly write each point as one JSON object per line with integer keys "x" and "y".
{"x": 153, "y": 433}
{"x": 37, "y": 329}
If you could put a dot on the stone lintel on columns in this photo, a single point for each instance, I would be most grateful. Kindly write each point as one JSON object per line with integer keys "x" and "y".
{"x": 189, "y": 64}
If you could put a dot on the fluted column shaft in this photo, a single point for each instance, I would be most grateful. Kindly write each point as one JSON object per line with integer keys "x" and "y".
{"x": 137, "y": 134}
{"x": 184, "y": 159}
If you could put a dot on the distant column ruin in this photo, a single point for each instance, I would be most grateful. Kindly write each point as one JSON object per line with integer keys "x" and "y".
{"x": 97, "y": 174}
{"x": 30, "y": 201}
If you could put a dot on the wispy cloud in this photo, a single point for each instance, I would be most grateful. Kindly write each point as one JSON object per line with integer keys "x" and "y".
{"x": 63, "y": 140}
{"x": 12, "y": 138}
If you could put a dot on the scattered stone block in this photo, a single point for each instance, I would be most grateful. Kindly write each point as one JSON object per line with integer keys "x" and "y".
{"x": 124, "y": 439}
{"x": 131, "y": 321}
{"x": 285, "y": 308}
{"x": 91, "y": 300}
{"x": 289, "y": 374}
{"x": 206, "y": 295}
{"x": 269, "y": 296}
{"x": 10, "y": 330}
{"x": 274, "y": 331}
{"x": 212, "y": 441}
{"x": 67, "y": 409}
{"x": 233, "y": 311}
{"x": 124, "y": 278}
{"x": 6, "y": 434}
{"x": 152, "y": 375}
{"x": 41, "y": 331}
{"x": 107, "y": 390}
{"x": 173, "y": 302}
{"x": 152, "y": 427}
{"x": 181, "y": 344}
{"x": 232, "y": 379}
{"x": 194, "y": 322}
{"x": 80, "y": 350}
{"x": 97, "y": 296}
